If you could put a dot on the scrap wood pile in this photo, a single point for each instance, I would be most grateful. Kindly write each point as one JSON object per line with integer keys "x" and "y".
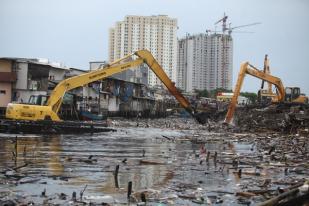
{"x": 284, "y": 158}
{"x": 273, "y": 173}
{"x": 273, "y": 118}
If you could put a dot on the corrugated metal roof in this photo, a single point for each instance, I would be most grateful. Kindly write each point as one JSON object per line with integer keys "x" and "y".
{"x": 33, "y": 61}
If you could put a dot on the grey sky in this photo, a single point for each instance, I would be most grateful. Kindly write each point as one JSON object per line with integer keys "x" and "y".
{"x": 76, "y": 31}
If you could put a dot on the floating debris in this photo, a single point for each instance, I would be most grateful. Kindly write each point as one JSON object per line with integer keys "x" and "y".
{"x": 179, "y": 163}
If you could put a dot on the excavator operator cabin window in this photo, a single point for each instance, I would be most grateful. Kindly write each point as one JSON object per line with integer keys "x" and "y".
{"x": 33, "y": 99}
{"x": 296, "y": 92}
{"x": 288, "y": 90}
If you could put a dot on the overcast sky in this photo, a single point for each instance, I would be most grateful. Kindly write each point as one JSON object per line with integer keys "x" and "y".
{"x": 76, "y": 31}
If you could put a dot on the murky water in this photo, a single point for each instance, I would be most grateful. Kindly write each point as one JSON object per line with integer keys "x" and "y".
{"x": 159, "y": 161}
{"x": 62, "y": 164}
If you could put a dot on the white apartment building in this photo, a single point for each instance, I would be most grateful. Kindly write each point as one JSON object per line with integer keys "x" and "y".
{"x": 205, "y": 62}
{"x": 154, "y": 33}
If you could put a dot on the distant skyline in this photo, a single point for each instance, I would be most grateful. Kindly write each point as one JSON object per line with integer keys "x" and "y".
{"x": 76, "y": 31}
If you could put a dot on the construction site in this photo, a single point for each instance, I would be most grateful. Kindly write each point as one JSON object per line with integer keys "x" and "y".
{"x": 91, "y": 137}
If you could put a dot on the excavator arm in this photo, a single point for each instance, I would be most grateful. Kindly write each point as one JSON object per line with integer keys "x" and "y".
{"x": 50, "y": 110}
{"x": 247, "y": 68}
{"x": 55, "y": 99}
{"x": 157, "y": 69}
{"x": 266, "y": 70}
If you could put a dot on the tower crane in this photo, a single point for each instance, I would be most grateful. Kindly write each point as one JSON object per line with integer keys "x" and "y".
{"x": 226, "y": 38}
{"x": 230, "y": 29}
{"x": 223, "y": 20}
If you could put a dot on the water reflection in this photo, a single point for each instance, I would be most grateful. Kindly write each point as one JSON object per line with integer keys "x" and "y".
{"x": 55, "y": 165}
{"x": 79, "y": 160}
{"x": 40, "y": 153}
{"x": 68, "y": 163}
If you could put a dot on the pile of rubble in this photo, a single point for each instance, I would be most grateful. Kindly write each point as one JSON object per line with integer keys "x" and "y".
{"x": 276, "y": 118}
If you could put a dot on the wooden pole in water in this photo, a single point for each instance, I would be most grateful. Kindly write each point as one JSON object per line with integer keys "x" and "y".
{"x": 116, "y": 176}
{"x": 207, "y": 157}
{"x": 16, "y": 151}
{"x": 215, "y": 158}
{"x": 129, "y": 189}
{"x": 143, "y": 197}
{"x": 74, "y": 196}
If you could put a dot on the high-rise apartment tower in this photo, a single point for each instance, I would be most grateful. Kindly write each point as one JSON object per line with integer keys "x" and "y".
{"x": 154, "y": 33}
{"x": 205, "y": 62}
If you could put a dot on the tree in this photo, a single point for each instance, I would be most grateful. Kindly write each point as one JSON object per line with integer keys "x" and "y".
{"x": 250, "y": 95}
{"x": 202, "y": 93}
{"x": 214, "y": 92}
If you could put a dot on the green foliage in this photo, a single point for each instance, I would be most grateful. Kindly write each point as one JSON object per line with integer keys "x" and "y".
{"x": 214, "y": 92}
{"x": 250, "y": 95}
{"x": 202, "y": 93}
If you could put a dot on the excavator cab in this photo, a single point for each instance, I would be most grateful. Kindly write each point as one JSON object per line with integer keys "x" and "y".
{"x": 38, "y": 99}
{"x": 293, "y": 94}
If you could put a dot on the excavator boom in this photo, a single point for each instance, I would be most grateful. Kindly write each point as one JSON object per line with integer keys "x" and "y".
{"x": 156, "y": 68}
{"x": 247, "y": 68}
{"x": 50, "y": 110}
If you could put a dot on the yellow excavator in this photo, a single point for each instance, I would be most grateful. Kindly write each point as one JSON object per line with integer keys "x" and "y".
{"x": 49, "y": 110}
{"x": 266, "y": 95}
{"x": 284, "y": 95}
